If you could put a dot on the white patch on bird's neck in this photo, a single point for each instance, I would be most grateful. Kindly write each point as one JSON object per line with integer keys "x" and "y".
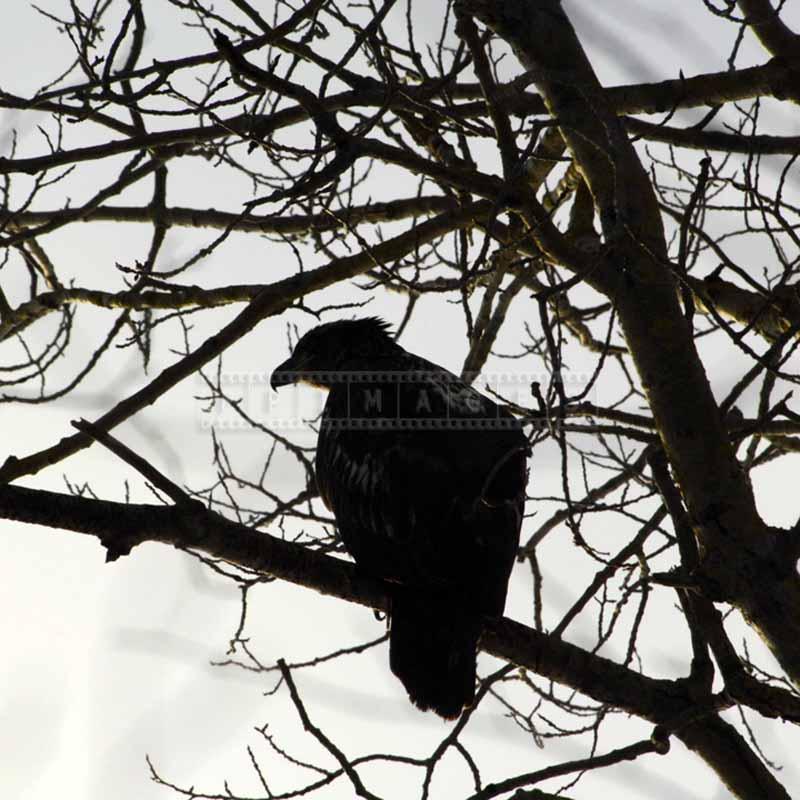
{"x": 314, "y": 384}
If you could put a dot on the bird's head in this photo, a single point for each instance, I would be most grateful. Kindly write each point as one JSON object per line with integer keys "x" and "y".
{"x": 328, "y": 350}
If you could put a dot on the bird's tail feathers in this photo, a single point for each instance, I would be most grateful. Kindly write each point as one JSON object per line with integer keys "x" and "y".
{"x": 432, "y": 650}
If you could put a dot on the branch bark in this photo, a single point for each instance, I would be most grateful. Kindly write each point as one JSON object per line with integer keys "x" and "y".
{"x": 121, "y": 526}
{"x": 770, "y": 29}
{"x": 738, "y": 552}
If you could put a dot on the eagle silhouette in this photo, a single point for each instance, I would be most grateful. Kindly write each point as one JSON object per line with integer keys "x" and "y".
{"x": 426, "y": 479}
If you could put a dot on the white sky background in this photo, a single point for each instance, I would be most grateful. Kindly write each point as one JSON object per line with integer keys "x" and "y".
{"x": 104, "y": 663}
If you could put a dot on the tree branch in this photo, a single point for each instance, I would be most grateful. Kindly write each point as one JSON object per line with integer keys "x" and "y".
{"x": 122, "y": 526}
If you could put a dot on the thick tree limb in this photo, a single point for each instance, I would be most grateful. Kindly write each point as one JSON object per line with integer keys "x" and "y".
{"x": 770, "y": 29}
{"x": 122, "y": 526}
{"x": 737, "y": 549}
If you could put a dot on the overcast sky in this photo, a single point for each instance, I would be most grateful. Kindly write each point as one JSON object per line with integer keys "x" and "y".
{"x": 103, "y": 664}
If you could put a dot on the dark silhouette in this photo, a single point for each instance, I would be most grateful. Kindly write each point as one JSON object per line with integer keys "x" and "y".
{"x": 426, "y": 478}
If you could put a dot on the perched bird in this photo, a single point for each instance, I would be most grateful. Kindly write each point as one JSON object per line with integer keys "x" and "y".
{"x": 426, "y": 479}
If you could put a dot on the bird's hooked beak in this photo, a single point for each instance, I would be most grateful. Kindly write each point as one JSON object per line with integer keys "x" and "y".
{"x": 296, "y": 370}
{"x": 284, "y": 374}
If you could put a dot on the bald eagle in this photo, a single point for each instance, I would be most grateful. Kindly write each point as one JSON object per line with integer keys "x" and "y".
{"x": 426, "y": 479}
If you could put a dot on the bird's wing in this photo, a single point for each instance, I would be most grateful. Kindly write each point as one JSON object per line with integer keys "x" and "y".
{"x": 406, "y": 495}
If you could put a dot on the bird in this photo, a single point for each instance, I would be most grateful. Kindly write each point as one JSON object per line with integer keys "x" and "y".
{"x": 426, "y": 479}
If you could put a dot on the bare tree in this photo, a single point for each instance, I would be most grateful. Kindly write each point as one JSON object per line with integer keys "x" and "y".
{"x": 643, "y": 235}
